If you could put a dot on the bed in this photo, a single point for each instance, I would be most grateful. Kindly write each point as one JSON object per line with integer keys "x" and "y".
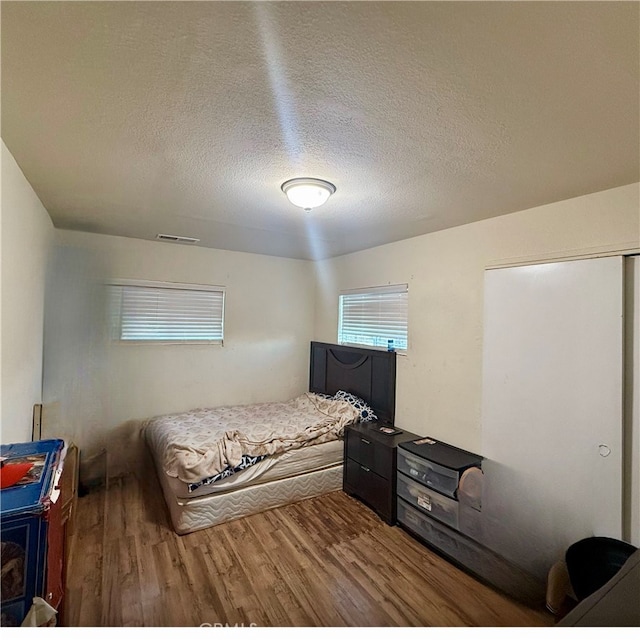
{"x": 222, "y": 463}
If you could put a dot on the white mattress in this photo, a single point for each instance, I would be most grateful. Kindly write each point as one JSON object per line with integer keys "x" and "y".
{"x": 288, "y": 464}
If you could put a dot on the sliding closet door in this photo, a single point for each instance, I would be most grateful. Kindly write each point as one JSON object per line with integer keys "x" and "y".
{"x": 552, "y": 407}
{"x": 632, "y": 402}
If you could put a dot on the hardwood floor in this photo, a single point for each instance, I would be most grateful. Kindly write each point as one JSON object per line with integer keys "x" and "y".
{"x": 327, "y": 561}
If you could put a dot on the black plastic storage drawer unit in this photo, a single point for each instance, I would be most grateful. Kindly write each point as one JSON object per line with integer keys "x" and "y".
{"x": 439, "y": 492}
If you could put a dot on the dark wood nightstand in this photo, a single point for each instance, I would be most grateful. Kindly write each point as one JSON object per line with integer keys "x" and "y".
{"x": 370, "y": 467}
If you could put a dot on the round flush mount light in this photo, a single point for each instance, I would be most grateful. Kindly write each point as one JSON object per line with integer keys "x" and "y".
{"x": 308, "y": 193}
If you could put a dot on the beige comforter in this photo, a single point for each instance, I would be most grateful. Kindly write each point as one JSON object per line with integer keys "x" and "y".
{"x": 200, "y": 443}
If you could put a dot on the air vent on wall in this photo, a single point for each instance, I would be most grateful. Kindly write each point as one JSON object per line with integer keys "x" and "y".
{"x": 183, "y": 239}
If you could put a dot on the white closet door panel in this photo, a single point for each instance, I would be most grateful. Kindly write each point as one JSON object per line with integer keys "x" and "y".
{"x": 552, "y": 407}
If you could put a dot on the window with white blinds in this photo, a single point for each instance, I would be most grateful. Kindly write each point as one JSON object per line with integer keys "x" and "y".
{"x": 373, "y": 316}
{"x": 144, "y": 311}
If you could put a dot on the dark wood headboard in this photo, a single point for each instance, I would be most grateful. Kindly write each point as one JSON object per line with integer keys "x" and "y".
{"x": 367, "y": 373}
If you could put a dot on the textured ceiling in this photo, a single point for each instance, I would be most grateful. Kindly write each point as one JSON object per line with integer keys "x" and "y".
{"x": 138, "y": 118}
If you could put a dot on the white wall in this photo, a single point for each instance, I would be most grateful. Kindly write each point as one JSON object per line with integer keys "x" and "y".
{"x": 439, "y": 380}
{"x": 269, "y": 312}
{"x": 27, "y": 233}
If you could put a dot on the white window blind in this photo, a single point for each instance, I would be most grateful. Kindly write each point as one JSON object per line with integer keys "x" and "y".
{"x": 167, "y": 312}
{"x": 374, "y": 316}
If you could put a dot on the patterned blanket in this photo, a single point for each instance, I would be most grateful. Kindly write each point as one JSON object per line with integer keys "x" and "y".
{"x": 201, "y": 443}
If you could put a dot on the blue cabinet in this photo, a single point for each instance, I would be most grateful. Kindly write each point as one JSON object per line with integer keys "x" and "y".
{"x": 25, "y": 510}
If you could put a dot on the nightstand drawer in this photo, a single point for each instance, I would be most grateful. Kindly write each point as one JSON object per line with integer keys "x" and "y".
{"x": 373, "y": 489}
{"x": 369, "y": 453}
{"x": 435, "y": 504}
{"x": 428, "y": 473}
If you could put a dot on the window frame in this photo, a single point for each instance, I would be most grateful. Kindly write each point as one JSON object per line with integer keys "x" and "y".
{"x": 382, "y": 289}
{"x": 116, "y": 318}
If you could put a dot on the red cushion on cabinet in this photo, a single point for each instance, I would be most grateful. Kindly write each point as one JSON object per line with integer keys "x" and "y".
{"x": 12, "y": 473}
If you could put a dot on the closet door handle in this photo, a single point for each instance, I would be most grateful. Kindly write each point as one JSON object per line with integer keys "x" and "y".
{"x": 604, "y": 450}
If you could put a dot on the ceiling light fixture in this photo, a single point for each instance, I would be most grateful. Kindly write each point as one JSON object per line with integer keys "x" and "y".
{"x": 308, "y": 193}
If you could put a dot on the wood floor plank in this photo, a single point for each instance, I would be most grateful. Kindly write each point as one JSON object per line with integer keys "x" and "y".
{"x": 376, "y": 587}
{"x": 83, "y": 601}
{"x": 266, "y": 573}
{"x": 326, "y": 561}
